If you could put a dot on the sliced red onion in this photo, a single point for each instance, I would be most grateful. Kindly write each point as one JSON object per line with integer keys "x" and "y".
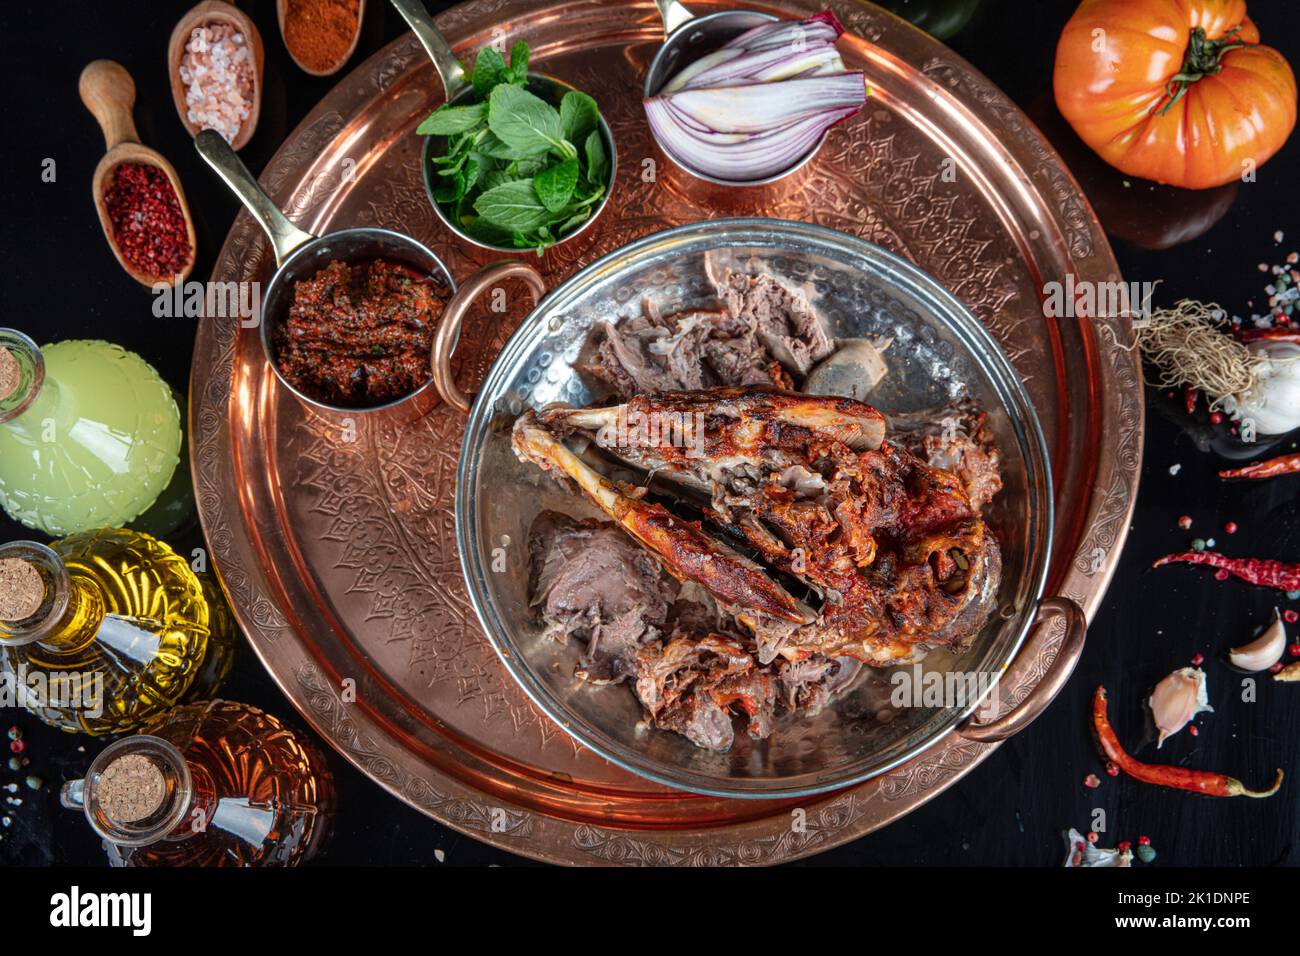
{"x": 742, "y": 157}
{"x": 758, "y": 105}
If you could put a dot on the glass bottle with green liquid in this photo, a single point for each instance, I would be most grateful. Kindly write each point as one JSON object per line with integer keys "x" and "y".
{"x": 90, "y": 434}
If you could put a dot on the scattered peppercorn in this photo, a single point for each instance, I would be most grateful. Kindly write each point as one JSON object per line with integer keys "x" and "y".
{"x": 1216, "y": 418}
{"x": 1198, "y": 544}
{"x": 1185, "y": 522}
{"x": 1294, "y": 648}
{"x": 15, "y": 763}
{"x": 17, "y": 746}
{"x": 1198, "y": 660}
{"x": 1194, "y": 730}
{"x": 149, "y": 228}
{"x": 1230, "y": 527}
{"x": 14, "y": 733}
{"x": 1290, "y": 616}
{"x": 1092, "y": 781}
{"x": 1146, "y": 852}
{"x": 1094, "y": 836}
{"x": 34, "y": 783}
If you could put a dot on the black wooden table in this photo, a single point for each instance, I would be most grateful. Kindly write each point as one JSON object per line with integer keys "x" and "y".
{"x": 62, "y": 282}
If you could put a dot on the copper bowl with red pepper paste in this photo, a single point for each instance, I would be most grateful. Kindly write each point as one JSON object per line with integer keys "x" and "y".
{"x": 358, "y": 334}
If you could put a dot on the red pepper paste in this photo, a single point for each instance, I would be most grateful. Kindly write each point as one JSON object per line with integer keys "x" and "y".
{"x": 148, "y": 226}
{"x": 359, "y": 335}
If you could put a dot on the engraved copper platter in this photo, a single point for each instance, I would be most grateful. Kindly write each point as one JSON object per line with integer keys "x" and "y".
{"x": 335, "y": 538}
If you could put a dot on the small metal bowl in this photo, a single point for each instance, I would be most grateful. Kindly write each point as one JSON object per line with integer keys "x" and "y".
{"x": 460, "y": 93}
{"x": 300, "y": 255}
{"x": 688, "y": 38}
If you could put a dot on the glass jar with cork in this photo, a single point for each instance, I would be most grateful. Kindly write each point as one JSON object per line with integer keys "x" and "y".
{"x": 215, "y": 784}
{"x": 105, "y": 631}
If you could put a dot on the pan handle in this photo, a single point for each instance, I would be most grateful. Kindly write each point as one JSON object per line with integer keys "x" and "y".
{"x": 1049, "y": 685}
{"x": 435, "y": 44}
{"x": 444, "y": 340}
{"x": 673, "y": 14}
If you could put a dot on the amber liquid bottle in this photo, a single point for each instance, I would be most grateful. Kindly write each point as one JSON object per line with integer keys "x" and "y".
{"x": 105, "y": 631}
{"x": 215, "y": 784}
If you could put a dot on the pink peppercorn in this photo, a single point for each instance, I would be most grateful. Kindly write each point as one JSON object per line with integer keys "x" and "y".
{"x": 1092, "y": 781}
{"x": 1185, "y": 522}
{"x": 1144, "y": 841}
{"x": 1112, "y": 769}
{"x": 1194, "y": 730}
{"x": 1230, "y": 527}
{"x": 148, "y": 225}
{"x": 1293, "y": 648}
{"x": 1094, "y": 836}
{"x": 1290, "y": 616}
{"x": 1221, "y": 574}
{"x": 1216, "y": 418}
{"x": 17, "y": 746}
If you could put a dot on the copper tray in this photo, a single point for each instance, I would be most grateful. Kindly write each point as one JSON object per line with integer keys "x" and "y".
{"x": 335, "y": 540}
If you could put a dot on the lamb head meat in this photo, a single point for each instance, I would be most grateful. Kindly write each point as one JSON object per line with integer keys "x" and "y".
{"x": 819, "y": 535}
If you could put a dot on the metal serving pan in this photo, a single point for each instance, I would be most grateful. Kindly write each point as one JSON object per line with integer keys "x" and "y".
{"x": 940, "y": 354}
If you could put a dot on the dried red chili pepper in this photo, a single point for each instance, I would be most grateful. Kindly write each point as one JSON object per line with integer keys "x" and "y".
{"x": 1268, "y": 335}
{"x": 1179, "y": 778}
{"x": 1189, "y": 399}
{"x": 1264, "y": 572}
{"x": 1270, "y": 468}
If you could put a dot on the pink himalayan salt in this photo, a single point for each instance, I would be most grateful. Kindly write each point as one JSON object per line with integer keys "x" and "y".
{"x": 217, "y": 71}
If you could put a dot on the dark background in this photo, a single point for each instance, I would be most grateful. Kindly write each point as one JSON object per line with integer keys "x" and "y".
{"x": 61, "y": 281}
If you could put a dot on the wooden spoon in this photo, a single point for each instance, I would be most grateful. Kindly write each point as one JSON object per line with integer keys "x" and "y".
{"x": 214, "y": 11}
{"x": 109, "y": 93}
{"x": 282, "y": 9}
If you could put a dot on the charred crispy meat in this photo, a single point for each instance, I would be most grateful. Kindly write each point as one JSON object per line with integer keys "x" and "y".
{"x": 890, "y": 549}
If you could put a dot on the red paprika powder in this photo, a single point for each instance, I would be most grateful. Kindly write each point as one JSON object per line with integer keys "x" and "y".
{"x": 319, "y": 32}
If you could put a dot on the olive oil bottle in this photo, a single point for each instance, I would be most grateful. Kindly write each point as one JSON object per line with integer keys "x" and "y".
{"x": 103, "y": 631}
{"x": 213, "y": 784}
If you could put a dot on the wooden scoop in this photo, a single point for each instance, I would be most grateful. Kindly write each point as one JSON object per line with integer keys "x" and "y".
{"x": 214, "y": 11}
{"x": 282, "y": 11}
{"x": 109, "y": 93}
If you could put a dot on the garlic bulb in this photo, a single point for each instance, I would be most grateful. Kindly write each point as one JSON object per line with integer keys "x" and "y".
{"x": 1272, "y": 403}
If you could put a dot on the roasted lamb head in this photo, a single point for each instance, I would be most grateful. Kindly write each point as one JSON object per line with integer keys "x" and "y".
{"x": 820, "y": 536}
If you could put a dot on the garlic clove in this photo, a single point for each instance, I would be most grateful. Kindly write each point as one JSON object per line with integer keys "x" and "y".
{"x": 1264, "y": 651}
{"x": 1289, "y": 673}
{"x": 1177, "y": 699}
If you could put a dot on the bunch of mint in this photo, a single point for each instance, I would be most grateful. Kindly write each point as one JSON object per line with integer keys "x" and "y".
{"x": 517, "y": 172}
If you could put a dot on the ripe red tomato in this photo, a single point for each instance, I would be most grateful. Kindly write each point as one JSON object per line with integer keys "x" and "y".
{"x": 1179, "y": 91}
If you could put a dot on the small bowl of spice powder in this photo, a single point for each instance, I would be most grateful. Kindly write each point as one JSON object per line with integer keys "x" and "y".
{"x": 216, "y": 59}
{"x": 320, "y": 35}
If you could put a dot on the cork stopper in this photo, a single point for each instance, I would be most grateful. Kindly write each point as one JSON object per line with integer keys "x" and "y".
{"x": 131, "y": 788}
{"x": 22, "y": 590}
{"x": 11, "y": 374}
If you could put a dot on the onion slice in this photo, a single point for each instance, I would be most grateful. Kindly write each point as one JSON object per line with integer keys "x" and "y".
{"x": 759, "y": 104}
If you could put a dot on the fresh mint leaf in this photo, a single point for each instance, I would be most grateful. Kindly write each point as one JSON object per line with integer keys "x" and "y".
{"x": 555, "y": 184}
{"x": 519, "y": 61}
{"x": 450, "y": 120}
{"x": 489, "y": 70}
{"x": 524, "y": 122}
{"x": 573, "y": 222}
{"x": 579, "y": 115}
{"x": 513, "y": 206}
{"x": 597, "y": 161}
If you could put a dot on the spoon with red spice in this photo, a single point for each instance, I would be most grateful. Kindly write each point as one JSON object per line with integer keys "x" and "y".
{"x": 137, "y": 193}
